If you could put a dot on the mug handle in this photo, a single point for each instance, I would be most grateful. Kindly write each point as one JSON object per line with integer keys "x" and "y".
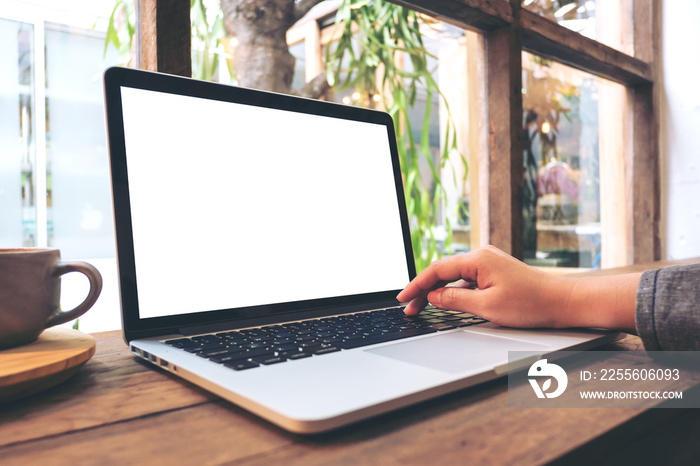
{"x": 95, "y": 288}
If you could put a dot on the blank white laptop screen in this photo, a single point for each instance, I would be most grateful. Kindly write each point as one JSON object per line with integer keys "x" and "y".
{"x": 235, "y": 205}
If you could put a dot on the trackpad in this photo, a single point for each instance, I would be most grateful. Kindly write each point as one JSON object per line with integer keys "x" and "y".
{"x": 457, "y": 351}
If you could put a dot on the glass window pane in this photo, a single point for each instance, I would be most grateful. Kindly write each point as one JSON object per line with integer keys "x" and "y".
{"x": 17, "y": 161}
{"x": 567, "y": 137}
{"x": 607, "y": 21}
{"x": 298, "y": 51}
{"x": 77, "y": 162}
{"x": 54, "y": 183}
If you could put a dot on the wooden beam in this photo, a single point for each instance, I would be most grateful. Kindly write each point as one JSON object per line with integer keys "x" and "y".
{"x": 646, "y": 191}
{"x": 645, "y": 176}
{"x": 482, "y": 15}
{"x": 540, "y": 36}
{"x": 547, "y": 39}
{"x": 505, "y": 143}
{"x": 165, "y": 36}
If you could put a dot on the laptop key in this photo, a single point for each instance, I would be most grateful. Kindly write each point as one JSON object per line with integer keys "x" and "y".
{"x": 448, "y": 318}
{"x": 302, "y": 338}
{"x": 241, "y": 355}
{"x": 281, "y": 341}
{"x": 203, "y": 338}
{"x": 382, "y": 324}
{"x": 330, "y": 341}
{"x": 216, "y": 352}
{"x": 442, "y": 327}
{"x": 467, "y": 322}
{"x": 407, "y": 326}
{"x": 193, "y": 349}
{"x": 240, "y": 364}
{"x": 181, "y": 342}
{"x": 257, "y": 345}
{"x": 268, "y": 360}
{"x": 287, "y": 347}
{"x": 309, "y": 346}
{"x": 329, "y": 349}
{"x": 200, "y": 348}
{"x": 462, "y": 323}
{"x": 291, "y": 355}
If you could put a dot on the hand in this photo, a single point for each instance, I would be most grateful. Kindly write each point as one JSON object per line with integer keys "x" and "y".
{"x": 507, "y": 292}
{"x": 495, "y": 286}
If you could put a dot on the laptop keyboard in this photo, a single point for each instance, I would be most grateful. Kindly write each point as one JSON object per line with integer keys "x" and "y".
{"x": 255, "y": 347}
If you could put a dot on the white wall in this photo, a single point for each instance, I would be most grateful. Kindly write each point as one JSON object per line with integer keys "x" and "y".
{"x": 680, "y": 129}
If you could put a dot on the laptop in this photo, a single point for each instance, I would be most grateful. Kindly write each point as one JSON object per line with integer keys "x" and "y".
{"x": 261, "y": 242}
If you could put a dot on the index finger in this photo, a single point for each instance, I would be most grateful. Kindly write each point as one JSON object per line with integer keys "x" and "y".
{"x": 438, "y": 274}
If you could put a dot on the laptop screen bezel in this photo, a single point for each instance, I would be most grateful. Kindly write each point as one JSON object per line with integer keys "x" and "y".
{"x": 136, "y": 327}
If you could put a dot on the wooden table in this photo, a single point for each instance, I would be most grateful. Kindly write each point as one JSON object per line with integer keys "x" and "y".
{"x": 116, "y": 410}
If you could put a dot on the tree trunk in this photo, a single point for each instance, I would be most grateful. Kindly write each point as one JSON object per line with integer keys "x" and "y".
{"x": 261, "y": 58}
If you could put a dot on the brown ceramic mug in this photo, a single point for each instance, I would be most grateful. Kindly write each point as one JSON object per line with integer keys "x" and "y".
{"x": 30, "y": 291}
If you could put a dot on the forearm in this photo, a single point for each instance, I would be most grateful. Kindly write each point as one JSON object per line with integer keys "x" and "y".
{"x": 602, "y": 302}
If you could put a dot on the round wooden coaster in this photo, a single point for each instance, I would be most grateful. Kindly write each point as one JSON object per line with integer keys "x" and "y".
{"x": 54, "y": 357}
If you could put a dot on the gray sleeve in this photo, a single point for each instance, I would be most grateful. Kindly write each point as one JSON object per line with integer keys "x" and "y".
{"x": 668, "y": 309}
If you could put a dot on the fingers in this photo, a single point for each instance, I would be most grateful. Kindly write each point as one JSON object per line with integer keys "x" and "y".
{"x": 437, "y": 275}
{"x": 463, "y": 297}
{"x": 455, "y": 299}
{"x": 415, "y": 306}
{"x": 466, "y": 267}
{"x": 416, "y": 303}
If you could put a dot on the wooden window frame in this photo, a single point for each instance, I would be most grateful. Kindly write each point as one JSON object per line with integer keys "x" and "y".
{"x": 509, "y": 29}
